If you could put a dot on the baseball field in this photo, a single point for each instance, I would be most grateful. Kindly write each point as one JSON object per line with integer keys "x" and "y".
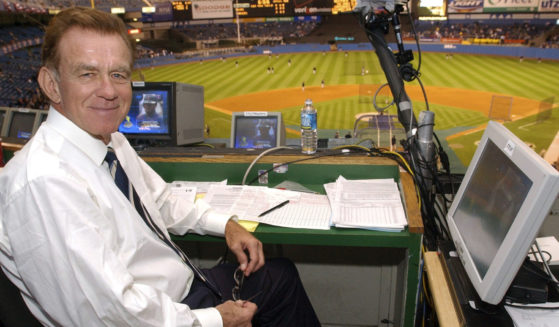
{"x": 463, "y": 91}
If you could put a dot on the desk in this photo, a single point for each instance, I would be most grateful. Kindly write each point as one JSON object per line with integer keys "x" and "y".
{"x": 313, "y": 174}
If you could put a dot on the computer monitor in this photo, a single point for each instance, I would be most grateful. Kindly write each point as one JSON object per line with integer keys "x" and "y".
{"x": 3, "y": 114}
{"x": 257, "y": 130}
{"x": 21, "y": 124}
{"x": 499, "y": 207}
{"x": 42, "y": 117}
{"x": 165, "y": 113}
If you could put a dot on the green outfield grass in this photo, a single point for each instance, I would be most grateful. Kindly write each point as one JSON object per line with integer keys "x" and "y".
{"x": 236, "y": 76}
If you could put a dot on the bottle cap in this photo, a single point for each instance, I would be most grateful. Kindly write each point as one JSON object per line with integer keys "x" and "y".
{"x": 308, "y": 102}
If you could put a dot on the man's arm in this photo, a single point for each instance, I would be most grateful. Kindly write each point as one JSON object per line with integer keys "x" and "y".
{"x": 63, "y": 247}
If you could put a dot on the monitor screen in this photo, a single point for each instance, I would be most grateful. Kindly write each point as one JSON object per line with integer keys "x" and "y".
{"x": 21, "y": 124}
{"x": 498, "y": 210}
{"x": 256, "y": 130}
{"x": 149, "y": 112}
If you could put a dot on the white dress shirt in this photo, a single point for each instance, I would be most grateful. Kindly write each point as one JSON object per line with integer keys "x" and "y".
{"x": 78, "y": 250}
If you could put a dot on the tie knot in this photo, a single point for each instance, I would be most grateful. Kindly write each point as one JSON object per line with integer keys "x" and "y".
{"x": 110, "y": 157}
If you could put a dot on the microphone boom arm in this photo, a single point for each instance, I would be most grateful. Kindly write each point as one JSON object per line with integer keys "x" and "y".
{"x": 376, "y": 26}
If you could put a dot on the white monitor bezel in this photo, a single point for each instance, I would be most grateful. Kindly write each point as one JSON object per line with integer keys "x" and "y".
{"x": 512, "y": 251}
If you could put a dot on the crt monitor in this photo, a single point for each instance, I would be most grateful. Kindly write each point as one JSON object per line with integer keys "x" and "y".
{"x": 3, "y": 114}
{"x": 257, "y": 130}
{"x": 21, "y": 124}
{"x": 165, "y": 113}
{"x": 500, "y": 205}
{"x": 150, "y": 112}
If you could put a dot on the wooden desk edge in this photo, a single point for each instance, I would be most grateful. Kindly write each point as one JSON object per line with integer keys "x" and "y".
{"x": 415, "y": 222}
{"x": 272, "y": 158}
{"x": 11, "y": 146}
{"x": 440, "y": 291}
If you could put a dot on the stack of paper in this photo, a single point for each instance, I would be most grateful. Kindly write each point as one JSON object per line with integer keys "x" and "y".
{"x": 371, "y": 204}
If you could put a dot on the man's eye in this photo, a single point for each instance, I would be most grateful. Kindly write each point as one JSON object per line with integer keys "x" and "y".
{"x": 120, "y": 77}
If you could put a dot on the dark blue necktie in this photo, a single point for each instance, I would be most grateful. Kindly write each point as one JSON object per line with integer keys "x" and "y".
{"x": 121, "y": 180}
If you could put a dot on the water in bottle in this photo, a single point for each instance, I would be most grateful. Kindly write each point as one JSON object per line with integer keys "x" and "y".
{"x": 309, "y": 137}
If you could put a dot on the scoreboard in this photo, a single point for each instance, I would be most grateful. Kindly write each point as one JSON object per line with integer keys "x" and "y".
{"x": 182, "y": 9}
{"x": 263, "y": 8}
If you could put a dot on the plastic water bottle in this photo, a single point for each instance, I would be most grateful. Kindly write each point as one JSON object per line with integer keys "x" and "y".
{"x": 309, "y": 137}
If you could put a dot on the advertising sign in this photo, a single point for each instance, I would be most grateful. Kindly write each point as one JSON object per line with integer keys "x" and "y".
{"x": 510, "y": 5}
{"x": 465, "y": 6}
{"x": 549, "y": 5}
{"x": 210, "y": 9}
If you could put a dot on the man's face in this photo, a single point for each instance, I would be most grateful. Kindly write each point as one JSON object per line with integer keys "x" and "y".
{"x": 150, "y": 108}
{"x": 94, "y": 81}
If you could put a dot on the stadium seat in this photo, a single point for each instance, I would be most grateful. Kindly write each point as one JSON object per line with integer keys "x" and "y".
{"x": 13, "y": 310}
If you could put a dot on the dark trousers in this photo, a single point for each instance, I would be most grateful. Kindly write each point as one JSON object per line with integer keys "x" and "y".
{"x": 280, "y": 296}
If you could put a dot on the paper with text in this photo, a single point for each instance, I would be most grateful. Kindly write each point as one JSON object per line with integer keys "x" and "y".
{"x": 371, "y": 204}
{"x": 247, "y": 202}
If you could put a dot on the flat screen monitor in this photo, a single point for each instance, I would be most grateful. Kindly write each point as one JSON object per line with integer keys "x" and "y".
{"x": 502, "y": 201}
{"x": 21, "y": 124}
{"x": 257, "y": 130}
{"x": 165, "y": 113}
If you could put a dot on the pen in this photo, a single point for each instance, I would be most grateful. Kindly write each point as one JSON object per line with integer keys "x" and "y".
{"x": 274, "y": 208}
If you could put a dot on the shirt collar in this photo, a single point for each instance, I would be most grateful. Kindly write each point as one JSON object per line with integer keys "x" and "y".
{"x": 92, "y": 147}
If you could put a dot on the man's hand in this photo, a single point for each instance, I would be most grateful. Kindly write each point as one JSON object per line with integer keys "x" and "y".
{"x": 237, "y": 314}
{"x": 240, "y": 240}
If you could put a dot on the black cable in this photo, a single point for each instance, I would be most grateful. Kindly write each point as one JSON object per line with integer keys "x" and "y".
{"x": 416, "y": 37}
{"x": 423, "y": 91}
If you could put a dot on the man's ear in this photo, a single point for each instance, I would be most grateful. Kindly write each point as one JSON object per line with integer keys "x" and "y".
{"x": 49, "y": 85}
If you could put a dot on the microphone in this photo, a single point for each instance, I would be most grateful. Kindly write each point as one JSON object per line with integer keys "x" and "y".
{"x": 426, "y": 147}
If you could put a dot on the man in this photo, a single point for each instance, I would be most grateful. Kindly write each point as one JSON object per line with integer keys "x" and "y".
{"x": 149, "y": 117}
{"x": 79, "y": 251}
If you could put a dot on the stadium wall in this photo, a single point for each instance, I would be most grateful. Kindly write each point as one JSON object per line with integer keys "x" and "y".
{"x": 514, "y": 51}
{"x": 508, "y": 51}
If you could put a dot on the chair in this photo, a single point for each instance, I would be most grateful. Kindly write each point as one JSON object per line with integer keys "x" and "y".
{"x": 13, "y": 310}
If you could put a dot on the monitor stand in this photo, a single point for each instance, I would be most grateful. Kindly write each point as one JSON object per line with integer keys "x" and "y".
{"x": 472, "y": 311}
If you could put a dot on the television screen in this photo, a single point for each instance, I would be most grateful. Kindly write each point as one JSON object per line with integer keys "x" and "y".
{"x": 21, "y": 124}
{"x": 256, "y": 130}
{"x": 149, "y": 113}
{"x": 505, "y": 196}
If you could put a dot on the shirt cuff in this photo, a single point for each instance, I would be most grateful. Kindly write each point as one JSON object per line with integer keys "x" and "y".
{"x": 208, "y": 317}
{"x": 214, "y": 222}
